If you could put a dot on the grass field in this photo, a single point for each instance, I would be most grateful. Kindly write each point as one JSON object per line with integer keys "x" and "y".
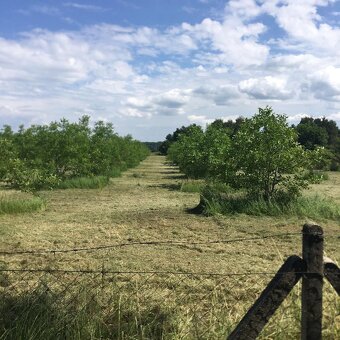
{"x": 147, "y": 204}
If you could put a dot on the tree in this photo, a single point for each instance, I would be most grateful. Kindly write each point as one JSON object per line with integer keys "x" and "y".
{"x": 216, "y": 147}
{"x": 314, "y": 132}
{"x": 266, "y": 159}
{"x": 187, "y": 152}
{"x": 172, "y": 138}
{"x": 310, "y": 135}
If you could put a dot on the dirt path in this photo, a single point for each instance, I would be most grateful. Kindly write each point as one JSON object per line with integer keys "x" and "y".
{"x": 145, "y": 204}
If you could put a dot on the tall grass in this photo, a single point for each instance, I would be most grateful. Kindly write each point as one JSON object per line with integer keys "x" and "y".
{"x": 21, "y": 205}
{"x": 90, "y": 314}
{"x": 114, "y": 172}
{"x": 232, "y": 202}
{"x": 95, "y": 182}
{"x": 191, "y": 186}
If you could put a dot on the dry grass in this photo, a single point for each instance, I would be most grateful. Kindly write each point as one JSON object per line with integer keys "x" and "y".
{"x": 146, "y": 204}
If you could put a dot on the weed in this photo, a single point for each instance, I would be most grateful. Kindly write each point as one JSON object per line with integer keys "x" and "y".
{"x": 191, "y": 186}
{"x": 20, "y": 205}
{"x": 95, "y": 182}
{"x": 314, "y": 207}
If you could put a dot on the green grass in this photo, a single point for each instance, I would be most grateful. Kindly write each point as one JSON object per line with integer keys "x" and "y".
{"x": 95, "y": 182}
{"x": 17, "y": 205}
{"x": 95, "y": 309}
{"x": 191, "y": 186}
{"x": 316, "y": 176}
{"x": 226, "y": 203}
{"x": 115, "y": 172}
{"x": 150, "y": 306}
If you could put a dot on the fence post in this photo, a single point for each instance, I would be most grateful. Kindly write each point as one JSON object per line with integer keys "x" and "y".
{"x": 312, "y": 281}
{"x": 269, "y": 301}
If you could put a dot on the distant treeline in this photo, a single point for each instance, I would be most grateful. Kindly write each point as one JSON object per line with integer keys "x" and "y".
{"x": 153, "y": 146}
{"x": 42, "y": 156}
{"x": 311, "y": 134}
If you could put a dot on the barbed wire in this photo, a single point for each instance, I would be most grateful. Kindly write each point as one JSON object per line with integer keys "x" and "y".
{"x": 146, "y": 272}
{"x": 126, "y": 244}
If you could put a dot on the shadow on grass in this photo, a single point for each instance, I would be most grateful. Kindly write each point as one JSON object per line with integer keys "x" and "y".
{"x": 171, "y": 187}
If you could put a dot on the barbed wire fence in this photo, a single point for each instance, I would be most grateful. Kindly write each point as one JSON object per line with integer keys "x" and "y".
{"x": 47, "y": 303}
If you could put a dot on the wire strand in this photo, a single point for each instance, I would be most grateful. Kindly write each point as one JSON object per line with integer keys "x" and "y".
{"x": 126, "y": 244}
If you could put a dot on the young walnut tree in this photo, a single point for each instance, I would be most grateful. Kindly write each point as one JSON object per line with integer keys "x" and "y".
{"x": 266, "y": 159}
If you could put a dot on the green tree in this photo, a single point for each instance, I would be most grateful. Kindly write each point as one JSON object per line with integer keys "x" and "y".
{"x": 216, "y": 147}
{"x": 266, "y": 159}
{"x": 187, "y": 152}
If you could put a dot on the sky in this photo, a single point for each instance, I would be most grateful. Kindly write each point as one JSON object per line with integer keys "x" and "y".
{"x": 150, "y": 66}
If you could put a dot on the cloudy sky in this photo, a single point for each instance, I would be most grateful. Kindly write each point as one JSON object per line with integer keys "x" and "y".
{"x": 150, "y": 66}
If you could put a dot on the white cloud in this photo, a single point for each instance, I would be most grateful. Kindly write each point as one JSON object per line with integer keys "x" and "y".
{"x": 325, "y": 83}
{"x": 220, "y": 95}
{"x": 83, "y": 7}
{"x": 266, "y": 88}
{"x": 295, "y": 119}
{"x": 201, "y": 120}
{"x": 215, "y": 68}
{"x": 235, "y": 42}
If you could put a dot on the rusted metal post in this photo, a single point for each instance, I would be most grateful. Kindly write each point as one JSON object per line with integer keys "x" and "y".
{"x": 271, "y": 298}
{"x": 312, "y": 282}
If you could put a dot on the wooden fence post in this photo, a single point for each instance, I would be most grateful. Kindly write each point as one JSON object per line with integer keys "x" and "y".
{"x": 332, "y": 273}
{"x": 271, "y": 298}
{"x": 312, "y": 282}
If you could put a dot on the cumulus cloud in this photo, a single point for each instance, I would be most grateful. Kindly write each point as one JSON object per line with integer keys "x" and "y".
{"x": 266, "y": 88}
{"x": 201, "y": 120}
{"x": 220, "y": 95}
{"x": 325, "y": 83}
{"x": 192, "y": 71}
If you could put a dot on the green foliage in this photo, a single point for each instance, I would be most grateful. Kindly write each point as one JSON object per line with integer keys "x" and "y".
{"x": 41, "y": 157}
{"x": 266, "y": 159}
{"x": 321, "y": 132}
{"x": 172, "y": 138}
{"x": 27, "y": 179}
{"x": 17, "y": 206}
{"x": 7, "y": 155}
{"x": 187, "y": 152}
{"x": 202, "y": 154}
{"x": 315, "y": 176}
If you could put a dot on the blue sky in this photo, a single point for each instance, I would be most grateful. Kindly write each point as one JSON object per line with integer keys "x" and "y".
{"x": 151, "y": 66}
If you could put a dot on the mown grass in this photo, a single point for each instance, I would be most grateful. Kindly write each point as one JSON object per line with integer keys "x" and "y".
{"x": 96, "y": 182}
{"x": 12, "y": 205}
{"x": 150, "y": 308}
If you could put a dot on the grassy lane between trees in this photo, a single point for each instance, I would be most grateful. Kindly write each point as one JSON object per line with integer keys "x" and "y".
{"x": 147, "y": 204}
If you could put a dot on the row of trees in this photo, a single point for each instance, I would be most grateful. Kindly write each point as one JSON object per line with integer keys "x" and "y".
{"x": 313, "y": 133}
{"x": 43, "y": 155}
{"x": 261, "y": 155}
